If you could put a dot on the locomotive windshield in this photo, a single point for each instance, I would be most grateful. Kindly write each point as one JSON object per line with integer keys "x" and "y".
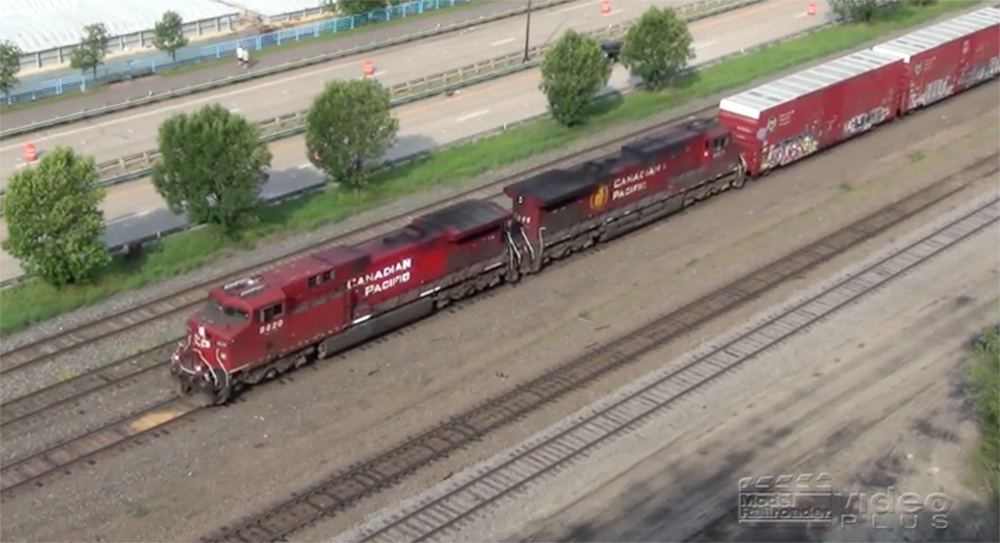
{"x": 221, "y": 313}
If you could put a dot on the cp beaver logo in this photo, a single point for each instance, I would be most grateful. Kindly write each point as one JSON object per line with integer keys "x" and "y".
{"x": 599, "y": 198}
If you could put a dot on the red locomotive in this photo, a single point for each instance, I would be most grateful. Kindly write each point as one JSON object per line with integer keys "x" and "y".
{"x": 261, "y": 326}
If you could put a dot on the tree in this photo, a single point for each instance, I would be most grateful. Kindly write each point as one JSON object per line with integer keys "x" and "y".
{"x": 169, "y": 34}
{"x": 657, "y": 46}
{"x": 10, "y": 65}
{"x": 92, "y": 49}
{"x": 573, "y": 71}
{"x": 212, "y": 167}
{"x": 866, "y": 11}
{"x": 54, "y": 219}
{"x": 349, "y": 125}
{"x": 354, "y": 7}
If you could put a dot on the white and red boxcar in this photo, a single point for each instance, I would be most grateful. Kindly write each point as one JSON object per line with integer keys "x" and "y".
{"x": 947, "y": 58}
{"x": 793, "y": 117}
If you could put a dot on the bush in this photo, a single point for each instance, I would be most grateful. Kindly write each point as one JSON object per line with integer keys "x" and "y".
{"x": 985, "y": 376}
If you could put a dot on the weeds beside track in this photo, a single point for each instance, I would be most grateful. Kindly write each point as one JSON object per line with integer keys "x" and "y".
{"x": 187, "y": 300}
{"x": 21, "y": 412}
{"x": 386, "y": 469}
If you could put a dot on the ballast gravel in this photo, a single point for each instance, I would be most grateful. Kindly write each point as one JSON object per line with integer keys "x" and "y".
{"x": 123, "y": 345}
{"x": 669, "y": 437}
{"x": 286, "y": 436}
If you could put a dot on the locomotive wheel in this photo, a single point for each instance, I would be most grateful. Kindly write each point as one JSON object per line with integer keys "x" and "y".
{"x": 218, "y": 396}
{"x": 740, "y": 179}
{"x": 186, "y": 387}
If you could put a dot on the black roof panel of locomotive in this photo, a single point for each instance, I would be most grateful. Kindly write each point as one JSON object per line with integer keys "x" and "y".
{"x": 555, "y": 187}
{"x": 464, "y": 218}
{"x": 667, "y": 142}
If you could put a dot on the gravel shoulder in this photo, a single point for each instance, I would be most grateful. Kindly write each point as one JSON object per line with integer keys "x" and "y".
{"x": 126, "y": 344}
{"x": 872, "y": 397}
{"x": 285, "y": 437}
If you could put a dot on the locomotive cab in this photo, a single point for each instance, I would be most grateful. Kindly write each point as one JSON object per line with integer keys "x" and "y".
{"x": 223, "y": 332}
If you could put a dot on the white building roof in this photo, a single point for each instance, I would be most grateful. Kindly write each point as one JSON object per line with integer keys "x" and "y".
{"x": 751, "y": 103}
{"x": 40, "y": 25}
{"x": 924, "y": 39}
{"x": 273, "y": 8}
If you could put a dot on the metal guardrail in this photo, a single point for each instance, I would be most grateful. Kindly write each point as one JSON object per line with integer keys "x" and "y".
{"x": 422, "y": 155}
{"x": 266, "y": 72}
{"x": 132, "y": 167}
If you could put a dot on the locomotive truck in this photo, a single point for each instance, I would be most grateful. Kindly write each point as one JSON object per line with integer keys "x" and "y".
{"x": 261, "y": 326}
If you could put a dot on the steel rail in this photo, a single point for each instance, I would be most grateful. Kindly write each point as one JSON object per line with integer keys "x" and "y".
{"x": 33, "y": 470}
{"x": 31, "y": 354}
{"x": 437, "y": 516}
{"x": 386, "y": 469}
{"x": 22, "y": 411}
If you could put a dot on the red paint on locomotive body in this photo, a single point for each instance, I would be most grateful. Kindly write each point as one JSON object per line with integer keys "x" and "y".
{"x": 281, "y": 315}
{"x": 563, "y": 211}
{"x": 258, "y": 327}
{"x": 945, "y": 59}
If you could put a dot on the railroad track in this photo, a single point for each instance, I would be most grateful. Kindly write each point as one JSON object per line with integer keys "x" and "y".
{"x": 366, "y": 479}
{"x": 25, "y": 409}
{"x": 26, "y": 356}
{"x": 440, "y": 514}
{"x": 20, "y": 413}
{"x": 34, "y": 470}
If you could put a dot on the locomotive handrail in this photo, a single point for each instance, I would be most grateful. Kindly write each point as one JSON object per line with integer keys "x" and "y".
{"x": 124, "y": 247}
{"x": 131, "y": 167}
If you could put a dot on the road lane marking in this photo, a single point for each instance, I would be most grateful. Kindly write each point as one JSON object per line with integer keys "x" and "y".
{"x": 472, "y": 115}
{"x": 282, "y": 80}
{"x": 502, "y": 42}
{"x": 573, "y": 8}
{"x": 128, "y": 189}
{"x": 616, "y": 11}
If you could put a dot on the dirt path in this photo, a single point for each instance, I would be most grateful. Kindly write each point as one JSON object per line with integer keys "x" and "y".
{"x": 287, "y": 436}
{"x": 872, "y": 398}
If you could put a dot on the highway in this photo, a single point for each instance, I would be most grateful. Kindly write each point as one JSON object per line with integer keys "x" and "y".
{"x": 130, "y": 132}
{"x": 134, "y": 210}
{"x": 306, "y": 49}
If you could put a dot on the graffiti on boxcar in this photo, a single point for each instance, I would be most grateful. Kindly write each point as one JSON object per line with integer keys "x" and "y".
{"x": 788, "y": 151}
{"x": 938, "y": 89}
{"x": 865, "y": 121}
{"x": 973, "y": 75}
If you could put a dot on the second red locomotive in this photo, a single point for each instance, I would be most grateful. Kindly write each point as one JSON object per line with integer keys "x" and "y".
{"x": 261, "y": 326}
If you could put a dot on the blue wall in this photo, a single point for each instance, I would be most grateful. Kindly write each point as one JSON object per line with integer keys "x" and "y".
{"x": 35, "y": 87}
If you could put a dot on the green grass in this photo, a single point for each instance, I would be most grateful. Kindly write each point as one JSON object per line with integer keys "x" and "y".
{"x": 324, "y": 37}
{"x": 985, "y": 376}
{"x": 257, "y": 54}
{"x": 33, "y": 301}
{"x": 28, "y": 104}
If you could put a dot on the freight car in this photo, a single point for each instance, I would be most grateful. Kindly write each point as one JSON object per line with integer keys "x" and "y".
{"x": 261, "y": 326}
{"x": 786, "y": 120}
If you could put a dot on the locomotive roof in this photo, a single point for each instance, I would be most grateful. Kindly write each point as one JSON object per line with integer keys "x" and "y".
{"x": 928, "y": 38}
{"x": 555, "y": 186}
{"x": 464, "y": 218}
{"x": 753, "y": 102}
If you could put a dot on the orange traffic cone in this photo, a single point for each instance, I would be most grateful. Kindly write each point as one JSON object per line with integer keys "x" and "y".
{"x": 29, "y": 152}
{"x": 367, "y": 68}
{"x": 811, "y": 10}
{"x": 606, "y": 7}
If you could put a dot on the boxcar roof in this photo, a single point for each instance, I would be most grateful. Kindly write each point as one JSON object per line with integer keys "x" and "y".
{"x": 463, "y": 218}
{"x": 928, "y": 38}
{"x": 754, "y": 101}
